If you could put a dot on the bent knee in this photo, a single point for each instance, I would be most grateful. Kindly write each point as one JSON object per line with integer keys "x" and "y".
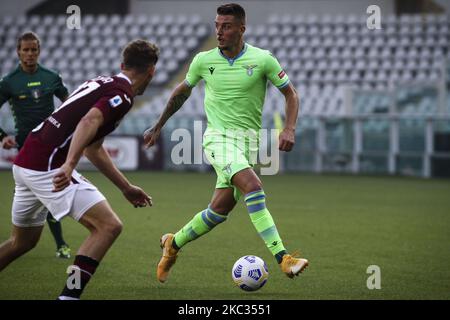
{"x": 22, "y": 247}
{"x": 221, "y": 209}
{"x": 114, "y": 228}
{"x": 110, "y": 228}
{"x": 253, "y": 186}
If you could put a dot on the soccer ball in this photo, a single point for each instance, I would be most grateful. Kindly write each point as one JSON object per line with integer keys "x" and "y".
{"x": 250, "y": 273}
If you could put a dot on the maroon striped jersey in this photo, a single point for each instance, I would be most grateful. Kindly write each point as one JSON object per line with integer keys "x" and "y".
{"x": 47, "y": 145}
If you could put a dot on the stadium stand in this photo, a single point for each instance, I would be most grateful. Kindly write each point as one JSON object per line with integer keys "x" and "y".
{"x": 367, "y": 96}
{"x": 325, "y": 57}
{"x": 96, "y": 47}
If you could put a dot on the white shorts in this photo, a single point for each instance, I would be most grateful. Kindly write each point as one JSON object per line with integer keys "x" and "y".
{"x": 33, "y": 196}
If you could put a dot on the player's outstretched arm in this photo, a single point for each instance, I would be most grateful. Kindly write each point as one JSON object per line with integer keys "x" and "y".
{"x": 100, "y": 158}
{"x": 83, "y": 135}
{"x": 176, "y": 100}
{"x": 287, "y": 136}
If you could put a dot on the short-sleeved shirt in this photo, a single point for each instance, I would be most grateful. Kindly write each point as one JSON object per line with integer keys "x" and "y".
{"x": 47, "y": 145}
{"x": 31, "y": 97}
{"x": 235, "y": 88}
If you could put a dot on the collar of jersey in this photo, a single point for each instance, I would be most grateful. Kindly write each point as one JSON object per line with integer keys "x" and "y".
{"x": 121, "y": 75}
{"x": 19, "y": 67}
{"x": 232, "y": 60}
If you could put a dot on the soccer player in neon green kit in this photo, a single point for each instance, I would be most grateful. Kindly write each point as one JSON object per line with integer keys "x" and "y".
{"x": 235, "y": 76}
{"x": 30, "y": 88}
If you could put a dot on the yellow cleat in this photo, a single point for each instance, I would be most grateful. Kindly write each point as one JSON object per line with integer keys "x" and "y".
{"x": 168, "y": 258}
{"x": 293, "y": 266}
{"x": 63, "y": 252}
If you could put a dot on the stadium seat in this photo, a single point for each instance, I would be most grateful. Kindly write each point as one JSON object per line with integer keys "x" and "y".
{"x": 317, "y": 52}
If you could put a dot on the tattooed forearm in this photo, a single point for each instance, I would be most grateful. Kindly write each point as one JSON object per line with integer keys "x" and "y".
{"x": 175, "y": 102}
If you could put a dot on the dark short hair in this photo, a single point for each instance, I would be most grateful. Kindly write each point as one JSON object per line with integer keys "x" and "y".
{"x": 140, "y": 54}
{"x": 232, "y": 9}
{"x": 28, "y": 36}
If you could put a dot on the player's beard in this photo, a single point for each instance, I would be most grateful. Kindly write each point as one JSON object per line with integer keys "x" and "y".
{"x": 141, "y": 89}
{"x": 222, "y": 44}
{"x": 223, "y": 47}
{"x": 29, "y": 63}
{"x": 228, "y": 45}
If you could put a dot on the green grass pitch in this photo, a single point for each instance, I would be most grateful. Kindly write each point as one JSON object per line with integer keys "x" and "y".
{"x": 342, "y": 224}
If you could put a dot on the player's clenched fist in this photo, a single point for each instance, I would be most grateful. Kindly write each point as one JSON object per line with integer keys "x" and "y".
{"x": 62, "y": 178}
{"x": 151, "y": 135}
{"x": 286, "y": 140}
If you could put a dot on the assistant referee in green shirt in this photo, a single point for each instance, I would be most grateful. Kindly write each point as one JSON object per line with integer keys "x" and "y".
{"x": 29, "y": 89}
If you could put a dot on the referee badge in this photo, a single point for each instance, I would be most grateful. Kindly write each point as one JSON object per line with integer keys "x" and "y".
{"x": 36, "y": 93}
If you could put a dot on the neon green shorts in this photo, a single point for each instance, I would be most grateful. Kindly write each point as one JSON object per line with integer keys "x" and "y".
{"x": 228, "y": 156}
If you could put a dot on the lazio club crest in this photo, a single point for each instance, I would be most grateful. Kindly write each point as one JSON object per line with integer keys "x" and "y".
{"x": 250, "y": 68}
{"x": 227, "y": 168}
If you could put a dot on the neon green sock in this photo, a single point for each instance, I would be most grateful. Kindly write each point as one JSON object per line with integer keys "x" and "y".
{"x": 263, "y": 222}
{"x": 202, "y": 223}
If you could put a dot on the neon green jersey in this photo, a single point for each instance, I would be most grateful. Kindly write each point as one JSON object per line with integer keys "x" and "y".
{"x": 235, "y": 88}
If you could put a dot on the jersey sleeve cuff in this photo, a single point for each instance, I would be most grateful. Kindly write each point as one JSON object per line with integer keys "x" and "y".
{"x": 284, "y": 84}
{"x": 188, "y": 84}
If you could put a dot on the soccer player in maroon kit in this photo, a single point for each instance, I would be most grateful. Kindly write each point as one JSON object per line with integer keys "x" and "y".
{"x": 44, "y": 170}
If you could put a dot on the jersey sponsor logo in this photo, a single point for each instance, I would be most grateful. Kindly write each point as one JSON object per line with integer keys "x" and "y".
{"x": 33, "y": 84}
{"x": 22, "y": 96}
{"x": 115, "y": 101}
{"x": 281, "y": 74}
{"x": 211, "y": 70}
{"x": 249, "y": 69}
